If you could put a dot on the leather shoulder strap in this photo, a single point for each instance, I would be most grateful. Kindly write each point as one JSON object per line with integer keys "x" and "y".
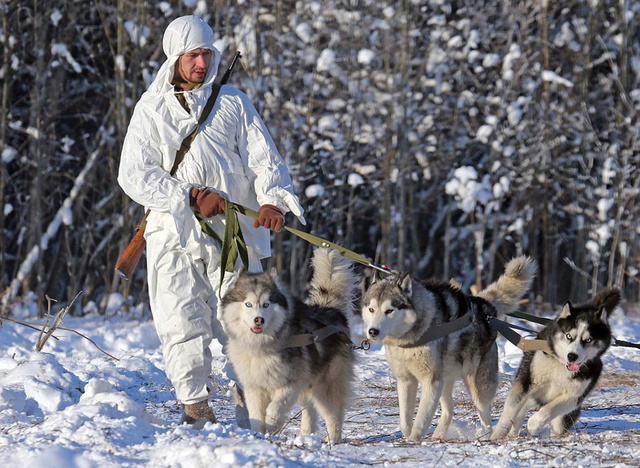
{"x": 186, "y": 143}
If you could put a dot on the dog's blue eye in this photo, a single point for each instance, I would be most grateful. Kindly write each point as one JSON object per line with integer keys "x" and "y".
{"x": 569, "y": 337}
{"x": 388, "y": 311}
{"x": 265, "y": 305}
{"x": 588, "y": 340}
{"x": 248, "y": 304}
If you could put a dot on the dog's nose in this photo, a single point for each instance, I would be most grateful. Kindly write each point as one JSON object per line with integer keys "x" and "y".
{"x": 373, "y": 332}
{"x": 572, "y": 357}
{"x": 258, "y": 321}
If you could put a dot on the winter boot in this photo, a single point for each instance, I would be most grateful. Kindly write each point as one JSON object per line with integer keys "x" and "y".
{"x": 198, "y": 414}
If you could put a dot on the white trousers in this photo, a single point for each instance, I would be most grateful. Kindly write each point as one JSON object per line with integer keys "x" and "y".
{"x": 184, "y": 288}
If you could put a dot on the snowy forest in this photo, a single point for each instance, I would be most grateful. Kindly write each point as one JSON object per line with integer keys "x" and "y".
{"x": 439, "y": 137}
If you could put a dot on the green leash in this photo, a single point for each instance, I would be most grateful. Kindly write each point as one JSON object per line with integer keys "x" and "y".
{"x": 234, "y": 245}
{"x": 318, "y": 241}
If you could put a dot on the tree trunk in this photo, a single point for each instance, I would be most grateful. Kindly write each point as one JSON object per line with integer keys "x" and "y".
{"x": 6, "y": 80}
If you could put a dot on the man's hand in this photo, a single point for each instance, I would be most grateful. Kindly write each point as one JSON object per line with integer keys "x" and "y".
{"x": 206, "y": 202}
{"x": 270, "y": 217}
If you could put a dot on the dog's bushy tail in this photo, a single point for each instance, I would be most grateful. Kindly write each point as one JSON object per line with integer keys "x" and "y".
{"x": 334, "y": 281}
{"x": 506, "y": 291}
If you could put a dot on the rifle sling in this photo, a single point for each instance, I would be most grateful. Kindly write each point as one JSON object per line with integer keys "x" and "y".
{"x": 186, "y": 143}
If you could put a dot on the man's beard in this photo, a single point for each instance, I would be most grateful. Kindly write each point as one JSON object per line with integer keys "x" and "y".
{"x": 201, "y": 78}
{"x": 183, "y": 77}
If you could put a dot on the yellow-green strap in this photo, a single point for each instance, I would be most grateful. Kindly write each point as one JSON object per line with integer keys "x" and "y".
{"x": 233, "y": 243}
{"x": 318, "y": 241}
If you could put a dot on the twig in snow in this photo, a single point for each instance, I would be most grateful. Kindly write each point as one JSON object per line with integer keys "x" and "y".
{"x": 44, "y": 336}
{"x": 54, "y": 326}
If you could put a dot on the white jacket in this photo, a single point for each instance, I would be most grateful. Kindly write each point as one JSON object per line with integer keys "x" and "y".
{"x": 232, "y": 153}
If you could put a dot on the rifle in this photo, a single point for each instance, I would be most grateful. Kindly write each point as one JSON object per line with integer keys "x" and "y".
{"x": 131, "y": 255}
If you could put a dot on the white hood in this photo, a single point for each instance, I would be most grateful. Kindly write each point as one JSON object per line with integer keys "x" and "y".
{"x": 181, "y": 36}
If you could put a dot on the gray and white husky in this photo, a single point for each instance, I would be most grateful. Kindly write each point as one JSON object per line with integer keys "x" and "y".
{"x": 276, "y": 370}
{"x": 558, "y": 380}
{"x": 398, "y": 312}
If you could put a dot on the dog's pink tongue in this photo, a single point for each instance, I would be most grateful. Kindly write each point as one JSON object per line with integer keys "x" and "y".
{"x": 256, "y": 330}
{"x": 573, "y": 367}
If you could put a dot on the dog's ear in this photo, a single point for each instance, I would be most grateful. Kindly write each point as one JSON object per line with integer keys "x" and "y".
{"x": 374, "y": 277}
{"x": 405, "y": 283}
{"x": 604, "y": 315}
{"x": 233, "y": 280}
{"x": 567, "y": 308}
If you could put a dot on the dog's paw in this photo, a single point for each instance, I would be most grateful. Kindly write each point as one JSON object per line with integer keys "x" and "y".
{"x": 406, "y": 431}
{"x": 439, "y": 434}
{"x": 536, "y": 423}
{"x": 500, "y": 432}
{"x": 514, "y": 432}
{"x": 414, "y": 436}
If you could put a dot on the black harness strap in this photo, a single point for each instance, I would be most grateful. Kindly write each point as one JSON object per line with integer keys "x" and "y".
{"x": 305, "y": 339}
{"x": 440, "y": 331}
{"x": 505, "y": 330}
{"x": 625, "y": 344}
{"x": 544, "y": 321}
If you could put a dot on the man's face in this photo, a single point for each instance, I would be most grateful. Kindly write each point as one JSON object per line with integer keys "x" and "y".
{"x": 191, "y": 68}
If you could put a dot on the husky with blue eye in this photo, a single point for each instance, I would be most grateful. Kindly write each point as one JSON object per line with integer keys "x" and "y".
{"x": 286, "y": 351}
{"x": 559, "y": 380}
{"x": 401, "y": 312}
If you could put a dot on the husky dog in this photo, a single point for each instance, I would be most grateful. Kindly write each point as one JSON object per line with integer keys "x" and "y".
{"x": 399, "y": 311}
{"x": 558, "y": 380}
{"x": 276, "y": 370}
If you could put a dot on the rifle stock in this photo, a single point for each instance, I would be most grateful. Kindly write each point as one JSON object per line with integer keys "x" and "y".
{"x": 131, "y": 255}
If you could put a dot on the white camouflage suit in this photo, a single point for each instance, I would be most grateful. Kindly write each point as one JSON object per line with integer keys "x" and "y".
{"x": 234, "y": 155}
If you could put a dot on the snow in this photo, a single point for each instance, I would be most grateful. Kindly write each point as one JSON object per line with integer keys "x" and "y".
{"x": 314, "y": 190}
{"x": 552, "y": 77}
{"x": 327, "y": 61}
{"x": 72, "y": 406}
{"x": 55, "y": 16}
{"x": 468, "y": 192}
{"x": 366, "y": 56}
{"x": 61, "y": 50}
{"x": 355, "y": 179}
{"x": 8, "y": 154}
{"x": 304, "y": 32}
{"x": 138, "y": 34}
{"x": 509, "y": 62}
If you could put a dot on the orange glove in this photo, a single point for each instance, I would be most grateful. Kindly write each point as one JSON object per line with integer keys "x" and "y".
{"x": 206, "y": 202}
{"x": 270, "y": 217}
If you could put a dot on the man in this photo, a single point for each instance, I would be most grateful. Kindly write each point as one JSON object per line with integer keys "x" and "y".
{"x": 232, "y": 157}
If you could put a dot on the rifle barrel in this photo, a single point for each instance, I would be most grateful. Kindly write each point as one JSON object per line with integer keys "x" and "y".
{"x": 227, "y": 73}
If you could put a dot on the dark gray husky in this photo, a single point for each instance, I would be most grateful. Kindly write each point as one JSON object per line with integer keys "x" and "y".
{"x": 559, "y": 380}
{"x": 400, "y": 311}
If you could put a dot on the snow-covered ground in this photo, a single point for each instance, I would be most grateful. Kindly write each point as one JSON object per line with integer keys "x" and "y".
{"x": 70, "y": 405}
